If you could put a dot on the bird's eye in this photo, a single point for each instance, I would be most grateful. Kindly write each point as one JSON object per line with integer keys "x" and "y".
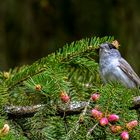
{"x": 111, "y": 46}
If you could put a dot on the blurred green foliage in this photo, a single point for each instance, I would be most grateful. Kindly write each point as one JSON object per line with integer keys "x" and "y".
{"x": 31, "y": 29}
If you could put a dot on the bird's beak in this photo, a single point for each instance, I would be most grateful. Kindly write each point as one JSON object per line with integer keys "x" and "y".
{"x": 101, "y": 46}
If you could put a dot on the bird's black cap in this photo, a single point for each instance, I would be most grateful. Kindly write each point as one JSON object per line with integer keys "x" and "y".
{"x": 111, "y": 46}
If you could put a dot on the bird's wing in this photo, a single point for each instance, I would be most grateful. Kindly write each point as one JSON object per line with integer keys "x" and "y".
{"x": 127, "y": 69}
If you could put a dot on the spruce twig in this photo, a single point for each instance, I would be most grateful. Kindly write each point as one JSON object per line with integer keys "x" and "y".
{"x": 72, "y": 109}
{"x": 81, "y": 118}
{"x": 91, "y": 130}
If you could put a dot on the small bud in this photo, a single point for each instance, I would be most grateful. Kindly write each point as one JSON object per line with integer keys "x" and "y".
{"x": 81, "y": 119}
{"x": 5, "y": 129}
{"x": 65, "y": 78}
{"x": 64, "y": 97}
{"x": 113, "y": 118}
{"x": 104, "y": 122}
{"x": 124, "y": 135}
{"x": 38, "y": 87}
{"x": 95, "y": 96}
{"x": 131, "y": 124}
{"x": 96, "y": 114}
{"x": 115, "y": 128}
{"x": 6, "y": 75}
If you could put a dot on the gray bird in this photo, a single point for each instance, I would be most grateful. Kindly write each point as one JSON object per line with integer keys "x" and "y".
{"x": 114, "y": 68}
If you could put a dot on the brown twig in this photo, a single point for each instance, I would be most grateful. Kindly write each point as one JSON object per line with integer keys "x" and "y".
{"x": 28, "y": 111}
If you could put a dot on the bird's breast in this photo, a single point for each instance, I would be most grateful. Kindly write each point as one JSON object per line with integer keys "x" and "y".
{"x": 108, "y": 64}
{"x": 109, "y": 69}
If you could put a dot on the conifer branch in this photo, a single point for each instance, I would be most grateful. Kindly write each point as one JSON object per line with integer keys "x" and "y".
{"x": 72, "y": 108}
{"x": 63, "y": 55}
{"x": 39, "y": 109}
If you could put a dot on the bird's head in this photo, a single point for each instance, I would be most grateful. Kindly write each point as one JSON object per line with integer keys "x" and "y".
{"x": 108, "y": 49}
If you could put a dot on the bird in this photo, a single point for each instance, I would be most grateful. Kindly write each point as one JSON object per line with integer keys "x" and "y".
{"x": 113, "y": 67}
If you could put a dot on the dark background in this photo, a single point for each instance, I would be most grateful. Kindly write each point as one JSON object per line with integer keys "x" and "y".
{"x": 31, "y": 29}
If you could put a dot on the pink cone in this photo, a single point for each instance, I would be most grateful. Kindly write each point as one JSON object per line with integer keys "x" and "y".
{"x": 131, "y": 124}
{"x": 96, "y": 114}
{"x": 104, "y": 122}
{"x": 124, "y": 135}
{"x": 113, "y": 118}
{"x": 95, "y": 96}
